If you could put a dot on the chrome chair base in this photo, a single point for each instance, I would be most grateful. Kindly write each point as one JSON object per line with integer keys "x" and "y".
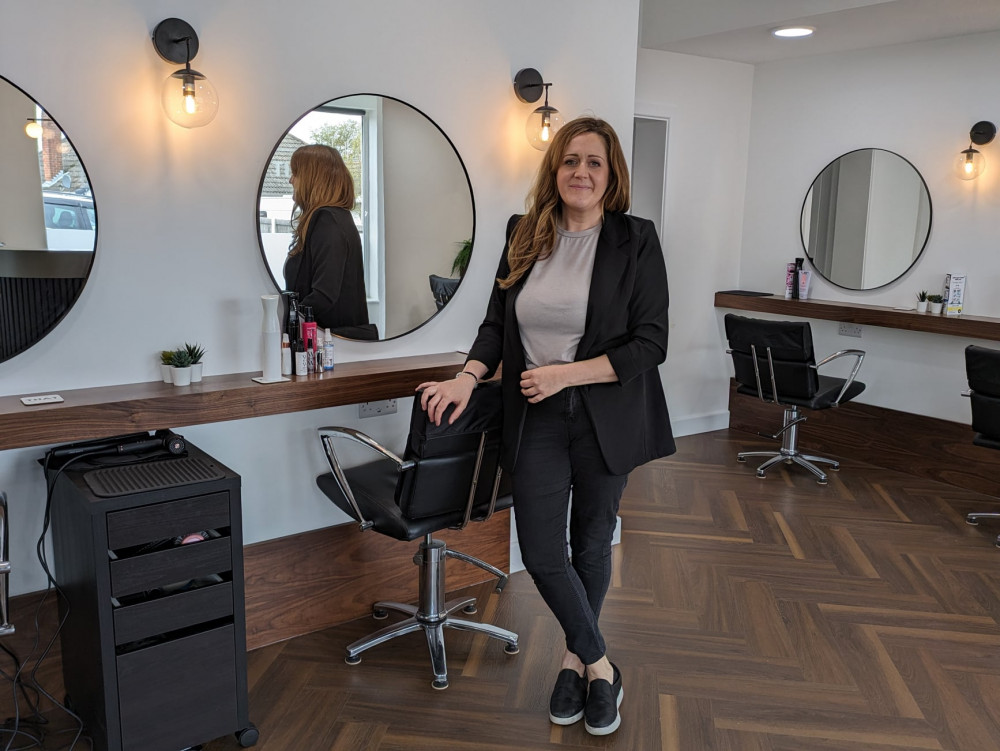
{"x": 789, "y": 452}
{"x": 974, "y": 517}
{"x": 432, "y": 614}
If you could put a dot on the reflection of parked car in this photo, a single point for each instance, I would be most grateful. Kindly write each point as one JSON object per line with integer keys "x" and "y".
{"x": 70, "y": 222}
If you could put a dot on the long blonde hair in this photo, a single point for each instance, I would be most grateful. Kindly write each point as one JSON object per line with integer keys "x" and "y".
{"x": 535, "y": 234}
{"x": 322, "y": 179}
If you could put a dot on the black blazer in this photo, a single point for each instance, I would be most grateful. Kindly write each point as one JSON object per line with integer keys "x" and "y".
{"x": 329, "y": 275}
{"x": 626, "y": 320}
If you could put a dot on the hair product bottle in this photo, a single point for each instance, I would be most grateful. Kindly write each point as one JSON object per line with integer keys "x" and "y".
{"x": 286, "y": 355}
{"x": 309, "y": 329}
{"x": 301, "y": 363}
{"x": 327, "y": 350}
{"x": 795, "y": 280}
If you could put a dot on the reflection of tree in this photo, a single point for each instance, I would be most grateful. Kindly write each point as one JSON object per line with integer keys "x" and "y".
{"x": 345, "y": 137}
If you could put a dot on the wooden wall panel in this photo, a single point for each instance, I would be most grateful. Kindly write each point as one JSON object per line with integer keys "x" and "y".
{"x": 294, "y": 585}
{"x": 923, "y": 446}
{"x": 308, "y": 582}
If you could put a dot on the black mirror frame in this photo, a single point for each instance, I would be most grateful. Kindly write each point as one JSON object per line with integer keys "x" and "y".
{"x": 270, "y": 156}
{"x": 923, "y": 247}
{"x": 46, "y": 328}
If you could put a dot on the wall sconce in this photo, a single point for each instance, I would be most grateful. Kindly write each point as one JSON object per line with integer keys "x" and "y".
{"x": 970, "y": 163}
{"x": 188, "y": 98}
{"x": 543, "y": 123}
{"x": 34, "y": 128}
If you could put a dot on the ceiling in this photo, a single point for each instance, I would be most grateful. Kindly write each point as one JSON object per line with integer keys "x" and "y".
{"x": 740, "y": 29}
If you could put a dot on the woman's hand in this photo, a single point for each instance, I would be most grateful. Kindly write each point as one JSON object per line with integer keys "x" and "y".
{"x": 541, "y": 383}
{"x": 437, "y": 395}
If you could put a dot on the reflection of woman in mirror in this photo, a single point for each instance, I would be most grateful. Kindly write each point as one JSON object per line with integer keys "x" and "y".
{"x": 578, "y": 319}
{"x": 325, "y": 264}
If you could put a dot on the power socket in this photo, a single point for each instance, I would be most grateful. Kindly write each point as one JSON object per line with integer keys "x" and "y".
{"x": 31, "y": 401}
{"x": 849, "y": 329}
{"x": 375, "y": 409}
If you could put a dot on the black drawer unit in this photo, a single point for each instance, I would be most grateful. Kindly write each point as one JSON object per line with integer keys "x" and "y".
{"x": 154, "y": 644}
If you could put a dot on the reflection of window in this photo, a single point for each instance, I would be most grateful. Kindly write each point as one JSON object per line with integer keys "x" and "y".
{"x": 349, "y": 130}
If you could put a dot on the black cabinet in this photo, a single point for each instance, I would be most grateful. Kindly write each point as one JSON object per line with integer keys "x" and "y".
{"x": 154, "y": 643}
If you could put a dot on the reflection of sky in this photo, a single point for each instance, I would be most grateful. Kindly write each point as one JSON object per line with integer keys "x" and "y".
{"x": 315, "y": 120}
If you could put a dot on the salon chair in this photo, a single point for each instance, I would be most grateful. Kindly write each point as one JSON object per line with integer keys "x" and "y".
{"x": 443, "y": 288}
{"x": 982, "y": 368}
{"x": 448, "y": 476}
{"x": 774, "y": 361}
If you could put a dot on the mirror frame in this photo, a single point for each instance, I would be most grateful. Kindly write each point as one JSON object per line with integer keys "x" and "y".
{"x": 277, "y": 145}
{"x": 51, "y": 325}
{"x": 923, "y": 247}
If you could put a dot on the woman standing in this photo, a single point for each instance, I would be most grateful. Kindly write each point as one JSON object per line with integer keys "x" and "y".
{"x": 578, "y": 318}
{"x": 325, "y": 266}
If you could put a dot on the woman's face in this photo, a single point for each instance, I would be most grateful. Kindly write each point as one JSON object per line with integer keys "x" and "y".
{"x": 583, "y": 174}
{"x": 291, "y": 181}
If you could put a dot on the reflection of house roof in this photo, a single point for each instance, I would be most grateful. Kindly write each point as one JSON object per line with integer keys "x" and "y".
{"x": 278, "y": 171}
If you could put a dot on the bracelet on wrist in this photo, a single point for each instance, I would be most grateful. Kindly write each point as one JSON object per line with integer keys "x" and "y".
{"x": 466, "y": 372}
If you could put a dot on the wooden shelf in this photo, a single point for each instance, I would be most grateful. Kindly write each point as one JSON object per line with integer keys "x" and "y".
{"x": 113, "y": 410}
{"x": 974, "y": 327}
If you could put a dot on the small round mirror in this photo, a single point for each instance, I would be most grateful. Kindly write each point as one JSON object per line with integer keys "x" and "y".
{"x": 414, "y": 209}
{"x": 866, "y": 219}
{"x": 48, "y": 222}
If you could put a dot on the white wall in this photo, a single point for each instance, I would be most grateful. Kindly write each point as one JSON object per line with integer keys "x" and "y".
{"x": 708, "y": 105}
{"x": 918, "y": 100}
{"x": 177, "y": 255}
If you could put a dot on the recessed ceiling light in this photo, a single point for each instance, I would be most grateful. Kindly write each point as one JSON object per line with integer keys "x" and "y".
{"x": 793, "y": 32}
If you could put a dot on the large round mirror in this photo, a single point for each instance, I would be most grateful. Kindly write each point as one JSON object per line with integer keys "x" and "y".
{"x": 414, "y": 209}
{"x": 48, "y": 225}
{"x": 866, "y": 219}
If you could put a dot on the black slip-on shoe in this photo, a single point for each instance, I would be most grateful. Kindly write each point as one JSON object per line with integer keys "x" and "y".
{"x": 568, "y": 698}
{"x": 603, "y": 698}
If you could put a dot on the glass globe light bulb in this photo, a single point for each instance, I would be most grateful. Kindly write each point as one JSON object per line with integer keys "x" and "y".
{"x": 970, "y": 164}
{"x": 33, "y": 129}
{"x": 542, "y": 126}
{"x": 189, "y": 99}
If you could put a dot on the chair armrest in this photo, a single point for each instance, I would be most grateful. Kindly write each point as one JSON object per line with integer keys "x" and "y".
{"x": 858, "y": 353}
{"x": 327, "y": 435}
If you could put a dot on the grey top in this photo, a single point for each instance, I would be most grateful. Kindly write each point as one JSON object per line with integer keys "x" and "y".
{"x": 552, "y": 306}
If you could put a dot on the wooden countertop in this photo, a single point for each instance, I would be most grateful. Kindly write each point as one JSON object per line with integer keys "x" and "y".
{"x": 113, "y": 410}
{"x": 975, "y": 327}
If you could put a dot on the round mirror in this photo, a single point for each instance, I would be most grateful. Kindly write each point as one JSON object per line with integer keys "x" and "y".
{"x": 48, "y": 224}
{"x": 866, "y": 219}
{"x": 414, "y": 210}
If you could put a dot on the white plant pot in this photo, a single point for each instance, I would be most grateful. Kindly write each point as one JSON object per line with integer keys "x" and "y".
{"x": 182, "y": 376}
{"x": 196, "y": 369}
{"x": 935, "y": 308}
{"x": 165, "y": 372}
{"x": 921, "y": 306}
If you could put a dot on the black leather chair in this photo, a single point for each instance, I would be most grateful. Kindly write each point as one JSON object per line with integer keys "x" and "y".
{"x": 443, "y": 288}
{"x": 449, "y": 475}
{"x": 982, "y": 367}
{"x": 774, "y": 361}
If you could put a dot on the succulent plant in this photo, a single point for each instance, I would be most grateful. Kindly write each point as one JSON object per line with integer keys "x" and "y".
{"x": 935, "y": 298}
{"x": 922, "y": 296}
{"x": 195, "y": 351}
{"x": 180, "y": 359}
{"x": 167, "y": 357}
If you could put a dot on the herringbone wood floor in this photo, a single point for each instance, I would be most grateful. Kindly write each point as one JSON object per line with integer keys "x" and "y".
{"x": 745, "y": 614}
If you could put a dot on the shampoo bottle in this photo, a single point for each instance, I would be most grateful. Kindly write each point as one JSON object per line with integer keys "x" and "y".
{"x": 309, "y": 329}
{"x": 301, "y": 364}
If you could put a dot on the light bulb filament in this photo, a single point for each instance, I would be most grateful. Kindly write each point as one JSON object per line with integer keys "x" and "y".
{"x": 187, "y": 91}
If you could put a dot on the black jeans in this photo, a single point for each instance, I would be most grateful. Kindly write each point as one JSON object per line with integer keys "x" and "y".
{"x": 559, "y": 451}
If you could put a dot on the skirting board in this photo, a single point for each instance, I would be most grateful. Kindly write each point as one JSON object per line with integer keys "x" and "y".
{"x": 923, "y": 446}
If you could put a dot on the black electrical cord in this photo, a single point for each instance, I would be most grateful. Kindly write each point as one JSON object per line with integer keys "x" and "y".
{"x": 36, "y": 718}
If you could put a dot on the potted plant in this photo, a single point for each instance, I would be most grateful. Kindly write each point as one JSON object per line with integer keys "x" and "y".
{"x": 922, "y": 301}
{"x": 934, "y": 303}
{"x": 181, "y": 361}
{"x": 196, "y": 352}
{"x": 462, "y": 258}
{"x": 166, "y": 364}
